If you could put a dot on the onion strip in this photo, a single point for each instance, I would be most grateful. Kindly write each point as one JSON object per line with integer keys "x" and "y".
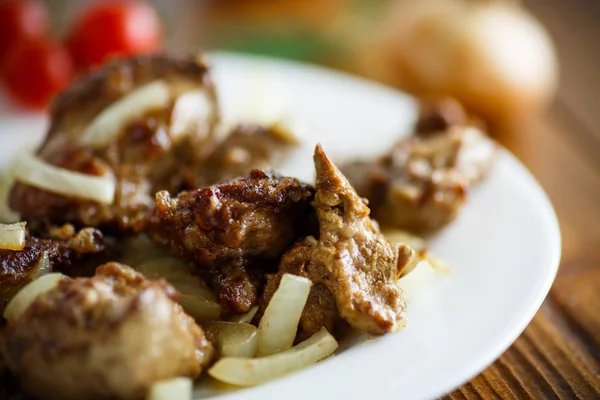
{"x": 12, "y": 236}
{"x": 27, "y": 295}
{"x": 171, "y": 389}
{"x": 194, "y": 296}
{"x": 279, "y": 324}
{"x": 33, "y": 171}
{"x": 6, "y": 183}
{"x": 233, "y": 339}
{"x": 401, "y": 236}
{"x": 111, "y": 121}
{"x": 254, "y": 371}
{"x": 244, "y": 318}
{"x": 417, "y": 279}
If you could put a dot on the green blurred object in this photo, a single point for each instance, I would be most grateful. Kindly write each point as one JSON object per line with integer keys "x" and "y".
{"x": 297, "y": 46}
{"x": 330, "y": 32}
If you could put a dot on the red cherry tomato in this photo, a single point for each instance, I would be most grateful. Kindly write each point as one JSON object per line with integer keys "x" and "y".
{"x": 35, "y": 70}
{"x": 114, "y": 29}
{"x": 20, "y": 19}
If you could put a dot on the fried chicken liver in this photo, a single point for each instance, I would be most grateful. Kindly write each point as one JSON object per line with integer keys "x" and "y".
{"x": 351, "y": 259}
{"x": 109, "y": 336}
{"x": 147, "y": 148}
{"x": 70, "y": 254}
{"x": 422, "y": 184}
{"x": 233, "y": 231}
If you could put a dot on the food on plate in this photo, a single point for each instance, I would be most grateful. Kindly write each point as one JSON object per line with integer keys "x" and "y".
{"x": 276, "y": 332}
{"x": 196, "y": 298}
{"x": 466, "y": 49}
{"x": 351, "y": 258}
{"x": 12, "y": 236}
{"x": 233, "y": 231}
{"x": 73, "y": 254}
{"x": 109, "y": 336}
{"x": 422, "y": 183}
{"x": 151, "y": 247}
{"x": 420, "y": 276}
{"x": 172, "y": 389}
{"x": 233, "y": 339}
{"x": 141, "y": 123}
{"x": 244, "y": 148}
{"x": 279, "y": 323}
{"x": 254, "y": 371}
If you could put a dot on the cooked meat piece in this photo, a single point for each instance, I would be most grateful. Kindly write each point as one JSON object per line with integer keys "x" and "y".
{"x": 439, "y": 114}
{"x": 320, "y": 310}
{"x": 9, "y": 388}
{"x": 246, "y": 148}
{"x": 228, "y": 228}
{"x": 71, "y": 255}
{"x": 422, "y": 184}
{"x": 147, "y": 152}
{"x": 110, "y": 336}
{"x": 238, "y": 282}
{"x": 351, "y": 259}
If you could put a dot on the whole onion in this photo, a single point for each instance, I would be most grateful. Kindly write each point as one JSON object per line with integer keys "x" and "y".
{"x": 492, "y": 55}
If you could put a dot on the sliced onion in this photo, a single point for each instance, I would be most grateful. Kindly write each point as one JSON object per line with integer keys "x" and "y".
{"x": 254, "y": 371}
{"x": 194, "y": 296}
{"x": 413, "y": 282}
{"x": 190, "y": 113}
{"x": 244, "y": 318}
{"x": 32, "y": 171}
{"x": 178, "y": 274}
{"x": 23, "y": 299}
{"x": 438, "y": 265}
{"x": 200, "y": 308}
{"x": 139, "y": 249}
{"x": 171, "y": 389}
{"x": 111, "y": 121}
{"x": 6, "y": 183}
{"x": 401, "y": 236}
{"x": 12, "y": 236}
{"x": 279, "y": 324}
{"x": 234, "y": 339}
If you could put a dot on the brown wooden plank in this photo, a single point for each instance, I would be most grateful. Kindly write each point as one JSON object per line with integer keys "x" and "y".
{"x": 558, "y": 355}
{"x": 574, "y": 27}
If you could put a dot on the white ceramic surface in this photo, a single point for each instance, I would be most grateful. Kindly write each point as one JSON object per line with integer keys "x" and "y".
{"x": 504, "y": 249}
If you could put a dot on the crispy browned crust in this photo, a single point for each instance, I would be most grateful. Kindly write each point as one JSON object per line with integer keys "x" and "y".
{"x": 86, "y": 338}
{"x": 422, "y": 184}
{"x": 73, "y": 255}
{"x": 112, "y": 81}
{"x": 144, "y": 159}
{"x": 353, "y": 267}
{"x": 246, "y": 148}
{"x": 228, "y": 228}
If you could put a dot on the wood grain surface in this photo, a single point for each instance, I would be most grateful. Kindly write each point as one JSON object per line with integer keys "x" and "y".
{"x": 558, "y": 355}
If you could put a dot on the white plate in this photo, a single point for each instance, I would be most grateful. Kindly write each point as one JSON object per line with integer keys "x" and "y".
{"x": 504, "y": 249}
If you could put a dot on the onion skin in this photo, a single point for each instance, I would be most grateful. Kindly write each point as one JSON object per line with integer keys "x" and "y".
{"x": 493, "y": 56}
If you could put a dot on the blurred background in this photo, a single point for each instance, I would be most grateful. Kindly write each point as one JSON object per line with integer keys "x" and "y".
{"x": 493, "y": 55}
{"x": 499, "y": 57}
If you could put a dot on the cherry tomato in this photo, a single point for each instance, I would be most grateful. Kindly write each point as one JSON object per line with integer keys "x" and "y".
{"x": 20, "y": 19}
{"x": 35, "y": 70}
{"x": 111, "y": 29}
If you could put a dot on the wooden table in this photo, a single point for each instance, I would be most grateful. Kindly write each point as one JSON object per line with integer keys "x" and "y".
{"x": 558, "y": 355}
